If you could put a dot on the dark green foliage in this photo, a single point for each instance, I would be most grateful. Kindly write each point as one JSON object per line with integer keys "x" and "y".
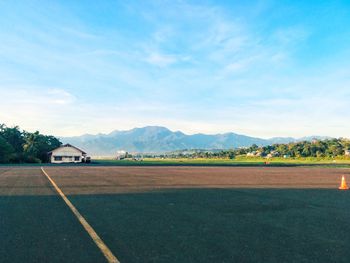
{"x": 316, "y": 148}
{"x": 18, "y": 146}
{"x": 6, "y": 150}
{"x": 14, "y": 137}
{"x": 37, "y": 146}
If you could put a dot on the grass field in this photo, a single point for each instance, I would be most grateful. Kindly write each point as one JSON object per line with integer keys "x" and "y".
{"x": 176, "y": 214}
{"x": 238, "y": 161}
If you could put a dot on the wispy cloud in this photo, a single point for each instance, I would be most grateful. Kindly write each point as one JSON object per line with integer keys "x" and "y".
{"x": 161, "y": 60}
{"x": 59, "y": 96}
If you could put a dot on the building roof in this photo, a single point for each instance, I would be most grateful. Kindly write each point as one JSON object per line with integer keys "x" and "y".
{"x": 68, "y": 145}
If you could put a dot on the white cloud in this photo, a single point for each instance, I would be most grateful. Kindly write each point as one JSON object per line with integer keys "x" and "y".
{"x": 161, "y": 60}
{"x": 59, "y": 96}
{"x": 36, "y": 96}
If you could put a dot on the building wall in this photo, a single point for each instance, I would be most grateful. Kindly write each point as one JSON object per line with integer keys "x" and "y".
{"x": 66, "y": 155}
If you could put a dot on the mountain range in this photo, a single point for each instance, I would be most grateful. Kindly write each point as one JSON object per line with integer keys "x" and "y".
{"x": 155, "y": 139}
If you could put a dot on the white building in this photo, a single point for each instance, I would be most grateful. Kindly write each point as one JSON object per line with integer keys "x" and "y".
{"x": 254, "y": 154}
{"x": 120, "y": 155}
{"x": 67, "y": 154}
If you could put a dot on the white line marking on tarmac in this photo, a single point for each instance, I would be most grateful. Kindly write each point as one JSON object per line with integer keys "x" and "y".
{"x": 98, "y": 241}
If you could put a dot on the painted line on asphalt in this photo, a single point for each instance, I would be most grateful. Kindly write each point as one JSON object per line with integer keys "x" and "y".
{"x": 98, "y": 241}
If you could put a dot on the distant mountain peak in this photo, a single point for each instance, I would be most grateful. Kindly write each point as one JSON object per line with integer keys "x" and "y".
{"x": 156, "y": 139}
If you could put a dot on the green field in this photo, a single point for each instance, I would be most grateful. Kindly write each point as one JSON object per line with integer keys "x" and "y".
{"x": 240, "y": 161}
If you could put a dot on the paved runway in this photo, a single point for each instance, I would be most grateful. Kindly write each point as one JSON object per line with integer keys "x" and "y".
{"x": 36, "y": 225}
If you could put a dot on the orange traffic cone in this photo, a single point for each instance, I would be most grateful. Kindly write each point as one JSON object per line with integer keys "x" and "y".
{"x": 343, "y": 185}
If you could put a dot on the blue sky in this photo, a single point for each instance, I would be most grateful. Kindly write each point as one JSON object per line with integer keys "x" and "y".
{"x": 261, "y": 68}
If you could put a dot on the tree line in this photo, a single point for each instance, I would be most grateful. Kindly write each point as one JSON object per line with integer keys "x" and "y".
{"x": 315, "y": 148}
{"x": 19, "y": 146}
{"x": 328, "y": 148}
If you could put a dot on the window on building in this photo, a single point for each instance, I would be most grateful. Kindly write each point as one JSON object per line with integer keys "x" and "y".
{"x": 58, "y": 158}
{"x": 76, "y": 158}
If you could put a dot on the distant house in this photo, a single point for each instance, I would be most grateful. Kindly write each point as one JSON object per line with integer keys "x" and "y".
{"x": 67, "y": 154}
{"x": 120, "y": 155}
{"x": 347, "y": 152}
{"x": 254, "y": 154}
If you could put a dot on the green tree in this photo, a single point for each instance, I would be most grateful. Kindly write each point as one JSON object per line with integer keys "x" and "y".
{"x": 37, "y": 146}
{"x": 6, "y": 150}
{"x": 14, "y": 137}
{"x": 21, "y": 146}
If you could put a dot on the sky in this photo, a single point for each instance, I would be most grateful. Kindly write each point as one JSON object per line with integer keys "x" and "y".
{"x": 260, "y": 68}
